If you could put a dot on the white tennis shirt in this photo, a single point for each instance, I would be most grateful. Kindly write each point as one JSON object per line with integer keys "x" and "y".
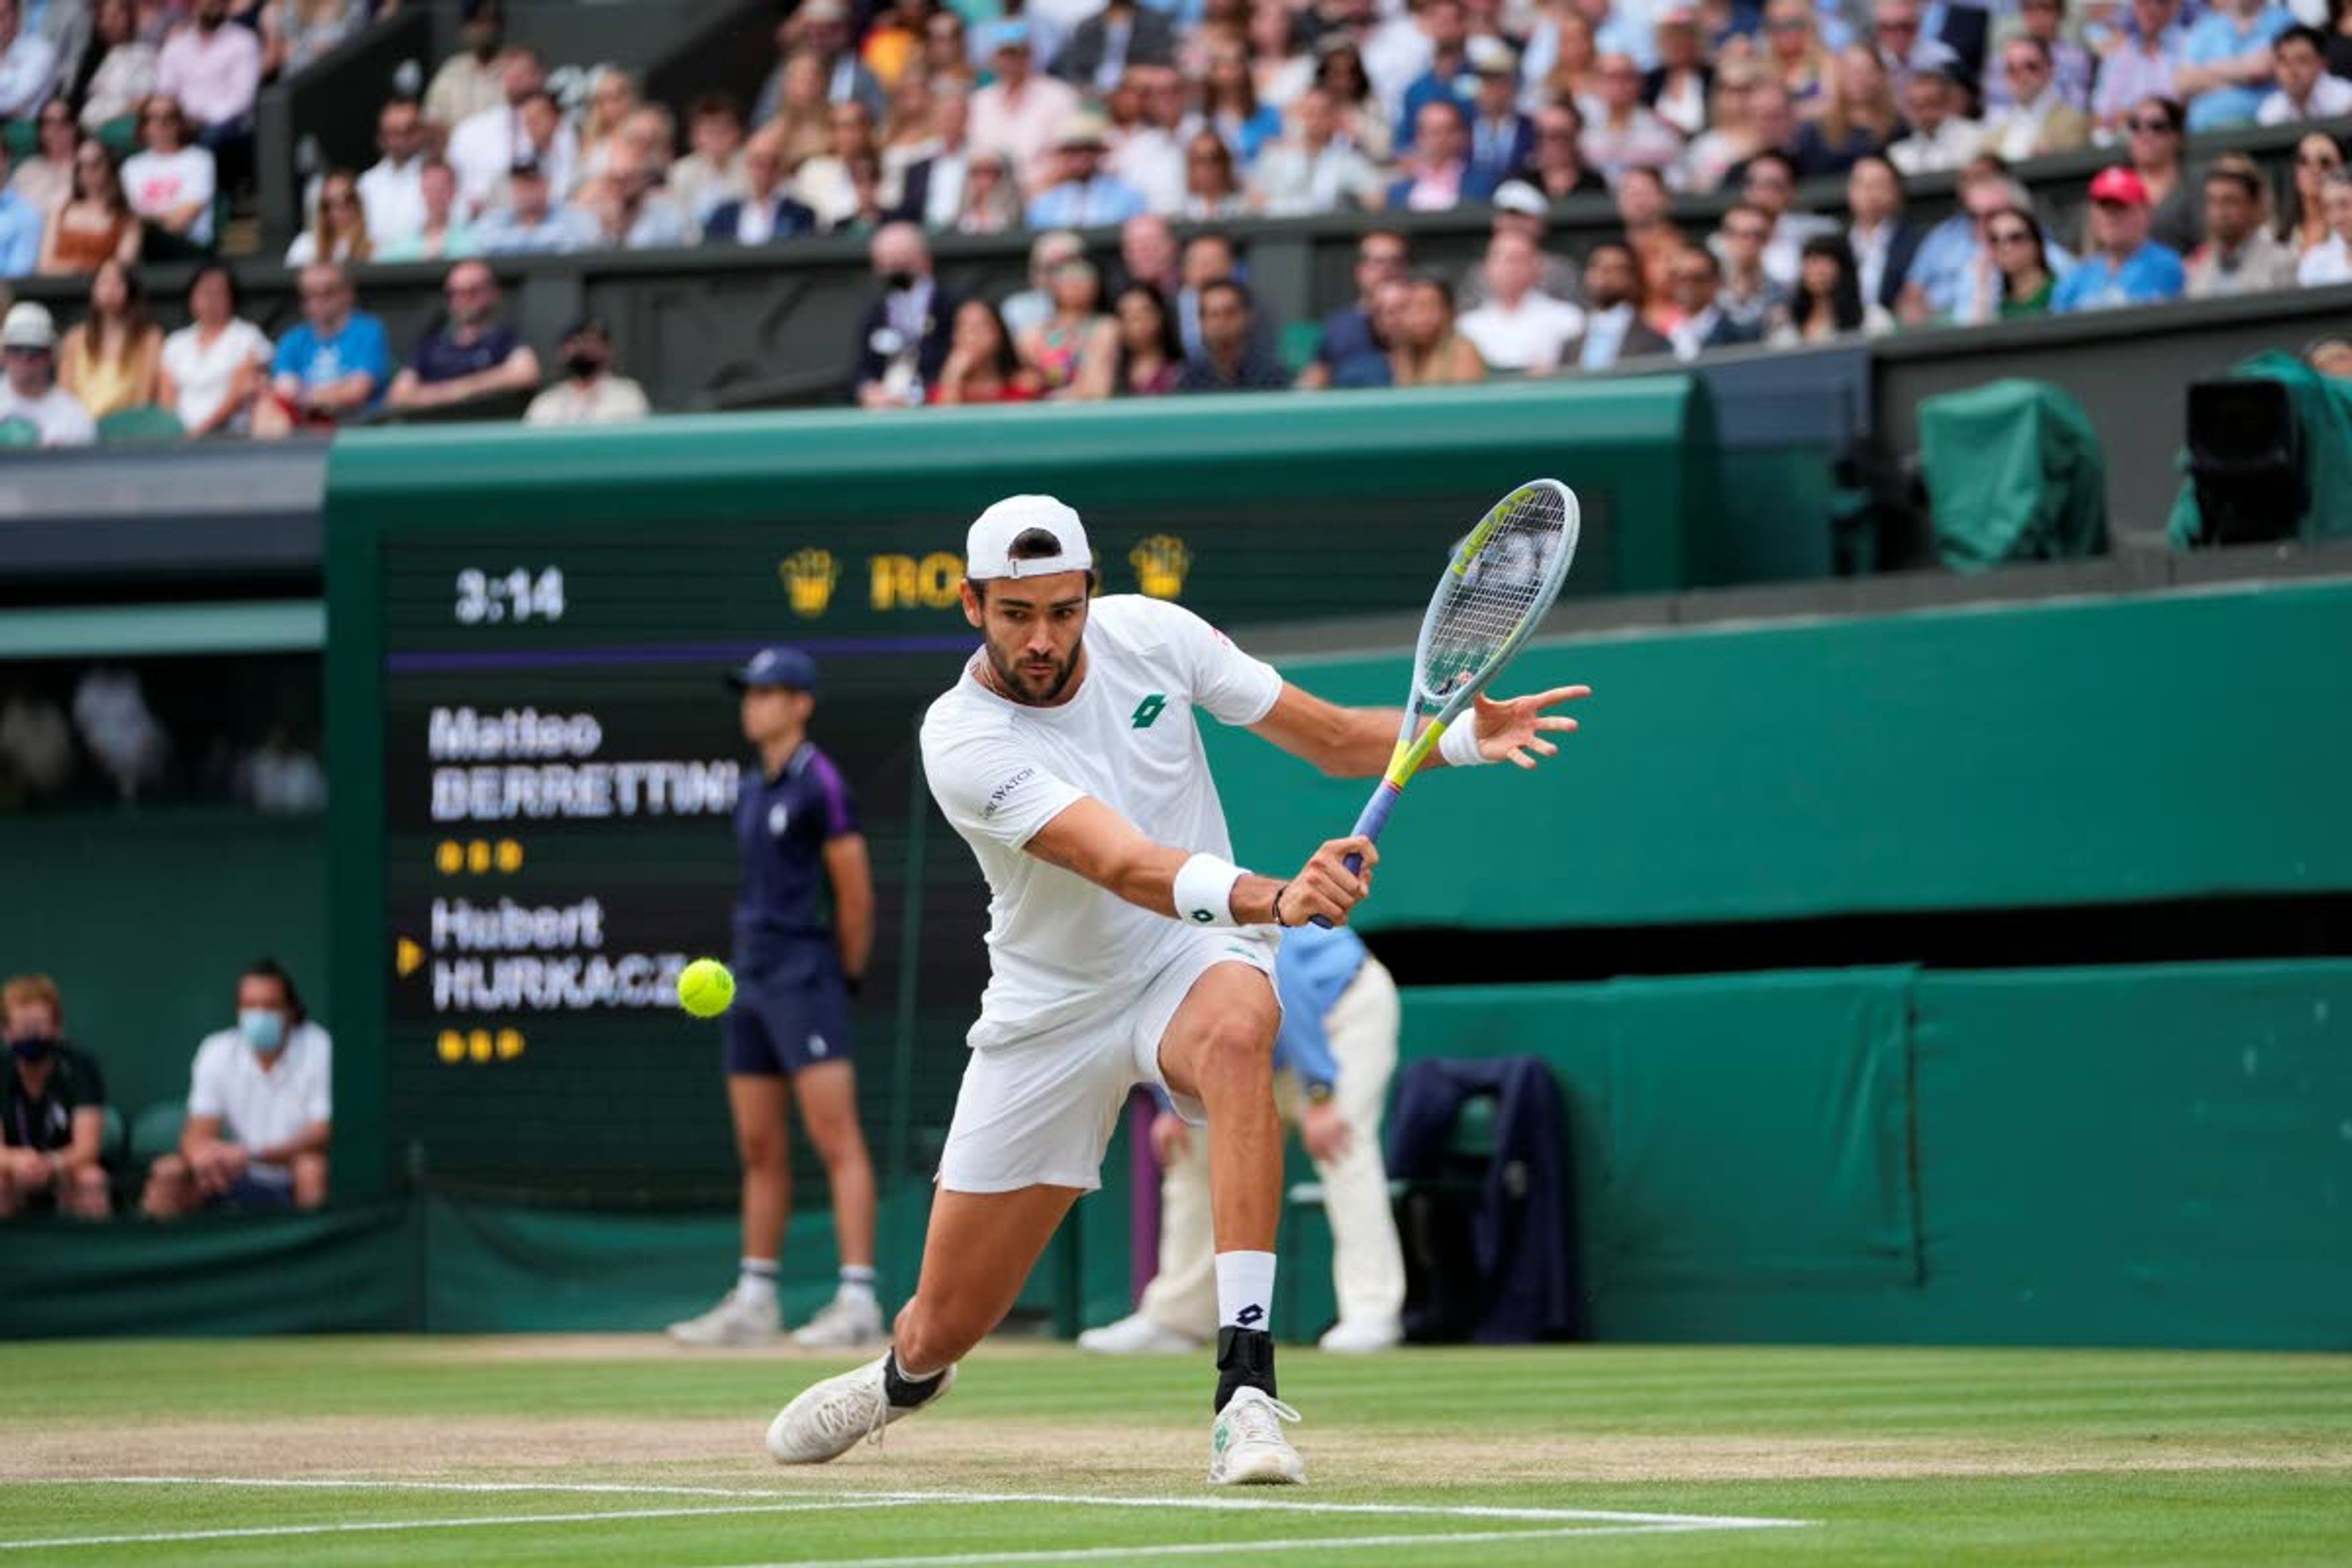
{"x": 262, "y": 1108}
{"x": 1059, "y": 946}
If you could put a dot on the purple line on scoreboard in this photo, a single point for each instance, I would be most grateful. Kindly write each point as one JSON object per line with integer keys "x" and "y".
{"x": 423, "y": 661}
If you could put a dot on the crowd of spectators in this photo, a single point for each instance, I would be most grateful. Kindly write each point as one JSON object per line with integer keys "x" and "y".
{"x": 992, "y": 116}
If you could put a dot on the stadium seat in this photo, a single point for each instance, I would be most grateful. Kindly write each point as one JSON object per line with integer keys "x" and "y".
{"x": 1300, "y": 341}
{"x": 18, "y": 432}
{"x": 148, "y": 422}
{"x": 2015, "y": 473}
{"x": 156, "y": 1131}
{"x": 112, "y": 1141}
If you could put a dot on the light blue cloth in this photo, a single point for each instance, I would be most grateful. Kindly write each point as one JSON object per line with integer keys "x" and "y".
{"x": 1101, "y": 200}
{"x": 2148, "y": 273}
{"x": 20, "y": 236}
{"x": 503, "y": 234}
{"x": 318, "y": 361}
{"x": 2217, "y": 37}
{"x": 1316, "y": 965}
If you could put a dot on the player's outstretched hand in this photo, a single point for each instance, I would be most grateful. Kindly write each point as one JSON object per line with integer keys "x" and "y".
{"x": 1513, "y": 729}
{"x": 1325, "y": 887}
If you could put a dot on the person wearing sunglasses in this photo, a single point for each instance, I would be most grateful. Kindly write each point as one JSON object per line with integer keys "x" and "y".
{"x": 2014, "y": 240}
{"x": 2043, "y": 122}
{"x": 2143, "y": 64}
{"x": 2302, "y": 226}
{"x": 471, "y": 354}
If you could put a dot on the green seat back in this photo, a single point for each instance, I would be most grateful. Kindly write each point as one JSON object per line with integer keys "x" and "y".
{"x": 1300, "y": 341}
{"x": 148, "y": 422}
{"x": 156, "y": 1130}
{"x": 18, "y": 432}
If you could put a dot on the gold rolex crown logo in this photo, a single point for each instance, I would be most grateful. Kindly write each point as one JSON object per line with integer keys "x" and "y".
{"x": 1160, "y": 562}
{"x": 809, "y": 577}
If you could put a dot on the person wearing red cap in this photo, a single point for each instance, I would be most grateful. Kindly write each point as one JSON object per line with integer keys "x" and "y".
{"x": 2123, "y": 266}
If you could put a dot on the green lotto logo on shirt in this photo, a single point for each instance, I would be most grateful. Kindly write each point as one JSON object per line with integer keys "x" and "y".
{"x": 1148, "y": 711}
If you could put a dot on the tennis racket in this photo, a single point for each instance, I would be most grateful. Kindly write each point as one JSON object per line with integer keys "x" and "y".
{"x": 1503, "y": 578}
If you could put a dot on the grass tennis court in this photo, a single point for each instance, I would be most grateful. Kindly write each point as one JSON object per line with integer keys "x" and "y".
{"x": 621, "y": 1451}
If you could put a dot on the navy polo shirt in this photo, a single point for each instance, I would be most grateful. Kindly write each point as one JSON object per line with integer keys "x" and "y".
{"x": 782, "y": 827}
{"x": 441, "y": 357}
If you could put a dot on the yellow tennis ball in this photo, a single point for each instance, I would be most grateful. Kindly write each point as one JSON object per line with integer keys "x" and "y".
{"x": 706, "y": 988}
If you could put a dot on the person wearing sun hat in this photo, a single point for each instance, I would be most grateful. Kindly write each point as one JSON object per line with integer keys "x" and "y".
{"x": 30, "y": 393}
{"x": 2123, "y": 267}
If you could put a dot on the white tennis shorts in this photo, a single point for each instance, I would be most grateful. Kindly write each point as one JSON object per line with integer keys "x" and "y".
{"x": 1041, "y": 1110}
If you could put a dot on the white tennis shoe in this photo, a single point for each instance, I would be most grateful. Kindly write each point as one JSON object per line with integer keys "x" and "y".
{"x": 831, "y": 1418}
{"x": 1362, "y": 1336}
{"x": 842, "y": 1324}
{"x": 1136, "y": 1334}
{"x": 1246, "y": 1445}
{"x": 733, "y": 1322}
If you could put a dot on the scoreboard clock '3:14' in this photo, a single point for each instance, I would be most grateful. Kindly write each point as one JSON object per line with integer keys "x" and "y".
{"x": 485, "y": 597}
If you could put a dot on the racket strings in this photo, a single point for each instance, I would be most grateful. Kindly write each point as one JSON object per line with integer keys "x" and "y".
{"x": 1498, "y": 588}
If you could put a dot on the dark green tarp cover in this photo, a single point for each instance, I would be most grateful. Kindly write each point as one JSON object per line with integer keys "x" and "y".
{"x": 2323, "y": 406}
{"x": 2014, "y": 473}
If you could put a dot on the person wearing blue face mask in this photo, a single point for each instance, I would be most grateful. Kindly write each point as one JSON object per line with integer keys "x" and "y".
{"x": 53, "y": 1112}
{"x": 259, "y": 1109}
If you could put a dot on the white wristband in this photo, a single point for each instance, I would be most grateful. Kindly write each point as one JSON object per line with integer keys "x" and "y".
{"x": 1204, "y": 891}
{"x": 1459, "y": 744}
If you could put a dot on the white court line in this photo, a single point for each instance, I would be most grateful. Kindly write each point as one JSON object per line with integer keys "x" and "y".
{"x": 906, "y": 1498}
{"x": 356, "y": 1527}
{"x": 1230, "y": 1548}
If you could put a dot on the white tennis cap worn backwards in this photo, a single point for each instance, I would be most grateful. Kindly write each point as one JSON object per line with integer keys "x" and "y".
{"x": 988, "y": 548}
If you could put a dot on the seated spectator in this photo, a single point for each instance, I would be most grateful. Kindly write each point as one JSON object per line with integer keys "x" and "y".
{"x": 1746, "y": 292}
{"x": 488, "y": 142}
{"x": 2071, "y": 67}
{"x": 1229, "y": 102}
{"x": 1882, "y": 239}
{"x": 393, "y": 188}
{"x": 1231, "y": 357}
{"x": 532, "y": 225}
{"x": 1769, "y": 185}
{"x": 28, "y": 341}
{"x": 1731, "y": 136}
{"x": 2123, "y": 266}
{"x": 818, "y": 30}
{"x": 125, "y": 74}
{"x": 1696, "y": 276}
{"x": 2145, "y": 63}
{"x": 1772, "y": 128}
{"x": 1148, "y": 254}
{"x": 1314, "y": 168}
{"x": 213, "y": 367}
{"x": 981, "y": 364}
{"x": 95, "y": 222}
{"x": 110, "y": 360}
{"x": 1519, "y": 328}
{"x": 1644, "y": 210}
{"x": 904, "y": 339}
{"x": 1213, "y": 188}
{"x": 1501, "y": 137}
{"x": 1082, "y": 195}
{"x": 2329, "y": 262}
{"x": 612, "y": 99}
{"x": 2304, "y": 226}
{"x": 2041, "y": 122}
{"x": 1678, "y": 87}
{"x": 1613, "y": 328}
{"x": 442, "y": 235}
{"x": 54, "y": 1124}
{"x": 2158, "y": 140}
{"x": 2227, "y": 64}
{"x": 1827, "y": 303}
{"x": 628, "y": 208}
{"x": 1146, "y": 357}
{"x": 1057, "y": 349}
{"x": 1625, "y": 135}
{"x": 1030, "y": 307}
{"x": 1858, "y": 120}
{"x": 1347, "y": 343}
{"x": 1437, "y": 177}
{"x": 947, "y": 54}
{"x": 802, "y": 119}
{"x": 1147, "y": 133}
{"x": 588, "y": 394}
{"x": 45, "y": 180}
{"x": 1521, "y": 209}
{"x": 992, "y": 196}
{"x": 1953, "y": 277}
{"x": 1021, "y": 112}
{"x": 339, "y": 227}
{"x": 1122, "y": 34}
{"x": 1424, "y": 346}
{"x": 297, "y": 33}
{"x": 821, "y": 183}
{"x": 332, "y": 367}
{"x": 765, "y": 211}
{"x": 1340, "y": 71}
{"x": 712, "y": 172}
{"x": 211, "y": 68}
{"x": 1441, "y": 36}
{"x": 2020, "y": 256}
{"x": 1795, "y": 53}
{"x": 471, "y": 353}
{"x": 259, "y": 1109}
{"x": 468, "y": 81}
{"x": 1555, "y": 169}
{"x": 2239, "y": 256}
{"x": 21, "y": 226}
{"x": 2305, "y": 91}
{"x": 170, "y": 184}
{"x": 868, "y": 212}
{"x": 29, "y": 65}
{"x": 931, "y": 181}
{"x": 1941, "y": 138}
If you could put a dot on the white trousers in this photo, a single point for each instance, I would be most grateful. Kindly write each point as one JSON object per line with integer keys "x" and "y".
{"x": 1366, "y": 1264}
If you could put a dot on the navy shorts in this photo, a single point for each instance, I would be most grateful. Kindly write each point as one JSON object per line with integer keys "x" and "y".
{"x": 778, "y": 1028}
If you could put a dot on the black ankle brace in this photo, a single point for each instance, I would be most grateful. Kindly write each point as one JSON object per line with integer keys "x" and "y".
{"x": 903, "y": 1392}
{"x": 1245, "y": 1360}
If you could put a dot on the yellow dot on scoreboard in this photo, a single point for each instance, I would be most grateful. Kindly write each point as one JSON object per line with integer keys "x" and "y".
{"x": 479, "y": 1046}
{"x": 510, "y": 1045}
{"x": 477, "y": 856}
{"x": 510, "y": 855}
{"x": 451, "y": 1046}
{"x": 450, "y": 858}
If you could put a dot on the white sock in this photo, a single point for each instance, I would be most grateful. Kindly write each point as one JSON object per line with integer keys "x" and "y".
{"x": 1246, "y": 1291}
{"x": 857, "y": 1284}
{"x": 756, "y": 1282}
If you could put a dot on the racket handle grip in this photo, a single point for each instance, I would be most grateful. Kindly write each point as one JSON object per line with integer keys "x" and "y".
{"x": 1374, "y": 817}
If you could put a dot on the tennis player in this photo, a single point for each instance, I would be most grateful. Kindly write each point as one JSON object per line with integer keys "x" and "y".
{"x": 1124, "y": 947}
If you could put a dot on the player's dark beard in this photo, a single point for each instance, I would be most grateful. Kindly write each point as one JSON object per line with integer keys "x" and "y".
{"x": 1018, "y": 680}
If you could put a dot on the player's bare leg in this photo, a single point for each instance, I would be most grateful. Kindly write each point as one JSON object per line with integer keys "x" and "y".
{"x": 1219, "y": 1049}
{"x": 828, "y": 1097}
{"x": 747, "y": 1315}
{"x": 976, "y": 1256}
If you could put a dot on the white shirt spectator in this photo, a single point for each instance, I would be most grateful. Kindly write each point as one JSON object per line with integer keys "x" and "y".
{"x": 1787, "y": 245}
{"x": 1940, "y": 151}
{"x": 607, "y": 400}
{"x": 1643, "y": 141}
{"x": 484, "y": 147}
{"x": 126, "y": 74}
{"x": 2330, "y": 96}
{"x": 156, "y": 182}
{"x": 394, "y": 194}
{"x": 1024, "y": 129}
{"x": 27, "y": 70}
{"x": 57, "y": 415}
{"x": 2329, "y": 261}
{"x": 462, "y": 88}
{"x": 205, "y": 374}
{"x": 1527, "y": 337}
{"x": 258, "y": 1109}
{"x": 214, "y": 75}
{"x": 1291, "y": 179}
{"x": 1151, "y": 160}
